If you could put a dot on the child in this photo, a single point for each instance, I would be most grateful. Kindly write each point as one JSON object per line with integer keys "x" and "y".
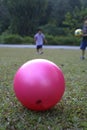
{"x": 84, "y": 39}
{"x": 39, "y": 39}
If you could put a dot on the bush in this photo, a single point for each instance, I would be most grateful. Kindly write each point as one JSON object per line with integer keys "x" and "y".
{"x": 52, "y": 40}
{"x": 0, "y": 40}
{"x": 53, "y": 30}
{"x": 11, "y": 39}
{"x": 63, "y": 40}
{"x": 28, "y": 40}
{"x": 69, "y": 40}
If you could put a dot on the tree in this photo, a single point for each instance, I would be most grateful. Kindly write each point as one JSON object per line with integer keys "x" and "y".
{"x": 4, "y": 17}
{"x": 26, "y": 15}
{"x": 84, "y": 3}
{"x": 60, "y": 8}
{"x": 74, "y": 20}
{"x": 72, "y": 4}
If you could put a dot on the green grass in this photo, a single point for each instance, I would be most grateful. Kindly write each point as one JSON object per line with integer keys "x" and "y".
{"x": 69, "y": 114}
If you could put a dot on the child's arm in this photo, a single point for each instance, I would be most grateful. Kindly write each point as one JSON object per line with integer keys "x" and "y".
{"x": 84, "y": 35}
{"x": 45, "y": 40}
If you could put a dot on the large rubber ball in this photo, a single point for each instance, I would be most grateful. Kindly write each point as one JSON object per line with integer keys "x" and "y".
{"x": 39, "y": 84}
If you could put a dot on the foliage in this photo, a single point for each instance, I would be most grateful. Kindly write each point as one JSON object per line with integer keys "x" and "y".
{"x": 23, "y": 17}
{"x": 74, "y": 20}
{"x": 52, "y": 40}
{"x": 52, "y": 29}
{"x": 69, "y": 114}
{"x": 28, "y": 40}
{"x": 63, "y": 40}
{"x": 4, "y": 17}
{"x": 11, "y": 39}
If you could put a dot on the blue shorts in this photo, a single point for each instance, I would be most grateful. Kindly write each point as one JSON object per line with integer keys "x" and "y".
{"x": 39, "y": 46}
{"x": 83, "y": 44}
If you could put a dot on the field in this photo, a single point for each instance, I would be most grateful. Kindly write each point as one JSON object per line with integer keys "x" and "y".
{"x": 69, "y": 114}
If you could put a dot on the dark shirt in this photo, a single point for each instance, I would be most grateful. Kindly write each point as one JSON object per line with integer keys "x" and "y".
{"x": 84, "y": 32}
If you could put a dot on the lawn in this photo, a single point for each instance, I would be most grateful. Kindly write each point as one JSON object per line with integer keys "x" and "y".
{"x": 69, "y": 114}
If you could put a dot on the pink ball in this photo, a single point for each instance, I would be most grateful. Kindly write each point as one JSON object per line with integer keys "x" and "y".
{"x": 39, "y": 84}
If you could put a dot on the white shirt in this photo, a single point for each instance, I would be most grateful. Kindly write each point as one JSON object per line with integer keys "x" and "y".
{"x": 39, "y": 37}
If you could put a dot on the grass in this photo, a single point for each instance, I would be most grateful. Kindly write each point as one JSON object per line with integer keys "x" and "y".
{"x": 69, "y": 114}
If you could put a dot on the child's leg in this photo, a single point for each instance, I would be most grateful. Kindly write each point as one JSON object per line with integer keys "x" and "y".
{"x": 41, "y": 50}
{"x": 83, "y": 54}
{"x": 83, "y": 47}
{"x": 37, "y": 50}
